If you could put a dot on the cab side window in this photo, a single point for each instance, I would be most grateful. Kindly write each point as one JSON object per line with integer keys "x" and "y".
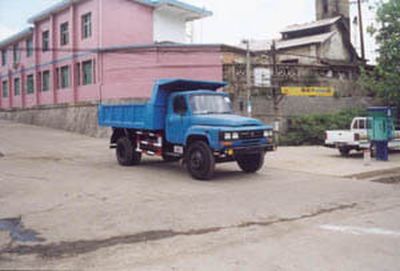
{"x": 179, "y": 105}
{"x": 355, "y": 125}
{"x": 362, "y": 124}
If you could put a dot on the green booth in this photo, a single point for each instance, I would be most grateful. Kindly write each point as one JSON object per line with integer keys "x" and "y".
{"x": 381, "y": 129}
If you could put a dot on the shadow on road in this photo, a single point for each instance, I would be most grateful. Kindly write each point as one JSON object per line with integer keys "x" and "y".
{"x": 222, "y": 174}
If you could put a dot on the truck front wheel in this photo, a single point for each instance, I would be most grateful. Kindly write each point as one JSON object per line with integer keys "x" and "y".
{"x": 126, "y": 154}
{"x": 200, "y": 161}
{"x": 251, "y": 163}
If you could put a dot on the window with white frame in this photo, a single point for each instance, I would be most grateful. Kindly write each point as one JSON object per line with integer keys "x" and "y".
{"x": 17, "y": 86}
{"x": 3, "y": 57}
{"x": 45, "y": 40}
{"x": 63, "y": 77}
{"x": 86, "y": 25}
{"x": 30, "y": 84}
{"x": 87, "y": 70}
{"x": 29, "y": 47}
{"x": 4, "y": 87}
{"x": 45, "y": 81}
{"x": 64, "y": 34}
{"x": 16, "y": 53}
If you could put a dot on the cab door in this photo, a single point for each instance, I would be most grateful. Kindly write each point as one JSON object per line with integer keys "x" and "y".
{"x": 177, "y": 120}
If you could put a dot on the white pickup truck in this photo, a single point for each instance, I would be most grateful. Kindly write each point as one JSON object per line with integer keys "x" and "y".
{"x": 356, "y": 138}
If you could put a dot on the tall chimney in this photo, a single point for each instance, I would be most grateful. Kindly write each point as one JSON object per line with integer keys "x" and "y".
{"x": 332, "y": 8}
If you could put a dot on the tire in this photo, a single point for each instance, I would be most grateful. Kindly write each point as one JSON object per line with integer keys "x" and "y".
{"x": 373, "y": 150}
{"x": 251, "y": 163}
{"x": 170, "y": 158}
{"x": 200, "y": 161}
{"x": 344, "y": 151}
{"x": 126, "y": 154}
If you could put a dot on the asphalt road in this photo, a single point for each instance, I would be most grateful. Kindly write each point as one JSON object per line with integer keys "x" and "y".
{"x": 65, "y": 204}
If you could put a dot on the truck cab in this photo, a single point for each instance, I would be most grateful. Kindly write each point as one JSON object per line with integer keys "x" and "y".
{"x": 192, "y": 121}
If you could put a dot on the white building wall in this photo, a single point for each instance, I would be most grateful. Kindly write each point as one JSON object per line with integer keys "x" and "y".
{"x": 335, "y": 49}
{"x": 169, "y": 27}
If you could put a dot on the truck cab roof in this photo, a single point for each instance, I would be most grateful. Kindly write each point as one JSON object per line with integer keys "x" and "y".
{"x": 198, "y": 92}
{"x": 164, "y": 87}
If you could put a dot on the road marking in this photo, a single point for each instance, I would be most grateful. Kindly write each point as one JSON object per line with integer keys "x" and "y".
{"x": 360, "y": 230}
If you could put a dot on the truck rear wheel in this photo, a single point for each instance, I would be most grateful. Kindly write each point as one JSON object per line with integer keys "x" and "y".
{"x": 126, "y": 154}
{"x": 344, "y": 151}
{"x": 200, "y": 161}
{"x": 251, "y": 163}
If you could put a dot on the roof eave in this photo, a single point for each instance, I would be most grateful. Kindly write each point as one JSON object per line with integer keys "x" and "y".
{"x": 297, "y": 45}
{"x": 312, "y": 25}
{"x": 51, "y": 10}
{"x": 18, "y": 36}
{"x": 307, "y": 43}
{"x": 195, "y": 12}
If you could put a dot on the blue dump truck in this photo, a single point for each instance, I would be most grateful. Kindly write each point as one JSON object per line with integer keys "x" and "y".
{"x": 187, "y": 120}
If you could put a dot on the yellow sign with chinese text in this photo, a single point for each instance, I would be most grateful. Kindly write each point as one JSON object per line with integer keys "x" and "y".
{"x": 308, "y": 91}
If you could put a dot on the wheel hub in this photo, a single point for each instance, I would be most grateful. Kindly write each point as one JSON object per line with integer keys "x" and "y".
{"x": 196, "y": 160}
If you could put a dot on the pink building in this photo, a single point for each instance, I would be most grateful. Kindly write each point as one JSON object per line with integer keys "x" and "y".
{"x": 90, "y": 50}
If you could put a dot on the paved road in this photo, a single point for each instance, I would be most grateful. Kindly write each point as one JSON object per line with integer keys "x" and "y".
{"x": 83, "y": 211}
{"x": 325, "y": 161}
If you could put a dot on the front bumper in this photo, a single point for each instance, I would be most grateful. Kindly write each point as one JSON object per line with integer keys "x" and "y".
{"x": 253, "y": 149}
{"x": 338, "y": 145}
{"x": 232, "y": 153}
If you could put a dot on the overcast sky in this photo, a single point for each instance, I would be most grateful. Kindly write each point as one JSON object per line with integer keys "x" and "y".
{"x": 232, "y": 20}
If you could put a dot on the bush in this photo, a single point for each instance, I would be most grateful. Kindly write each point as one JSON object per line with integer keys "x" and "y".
{"x": 310, "y": 129}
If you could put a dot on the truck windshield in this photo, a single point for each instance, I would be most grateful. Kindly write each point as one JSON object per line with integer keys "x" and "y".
{"x": 210, "y": 104}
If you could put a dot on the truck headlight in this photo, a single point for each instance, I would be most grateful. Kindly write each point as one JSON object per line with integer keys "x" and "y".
{"x": 227, "y": 136}
{"x": 235, "y": 136}
{"x": 268, "y": 133}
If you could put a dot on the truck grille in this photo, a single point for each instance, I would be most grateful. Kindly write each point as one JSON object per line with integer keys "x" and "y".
{"x": 250, "y": 142}
{"x": 251, "y": 134}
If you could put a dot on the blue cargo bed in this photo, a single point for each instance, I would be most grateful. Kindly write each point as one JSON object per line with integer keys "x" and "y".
{"x": 131, "y": 116}
{"x": 150, "y": 116}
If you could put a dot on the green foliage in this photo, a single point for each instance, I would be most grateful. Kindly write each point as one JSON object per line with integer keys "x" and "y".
{"x": 310, "y": 129}
{"x": 386, "y": 80}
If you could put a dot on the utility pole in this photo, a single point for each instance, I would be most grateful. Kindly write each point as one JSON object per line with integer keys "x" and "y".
{"x": 248, "y": 76}
{"x": 275, "y": 93}
{"x": 360, "y": 19}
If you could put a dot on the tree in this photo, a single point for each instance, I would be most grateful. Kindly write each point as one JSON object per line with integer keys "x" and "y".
{"x": 386, "y": 81}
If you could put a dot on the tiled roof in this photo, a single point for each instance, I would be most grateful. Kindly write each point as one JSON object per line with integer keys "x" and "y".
{"x": 316, "y": 24}
{"x": 265, "y": 45}
{"x": 315, "y": 39}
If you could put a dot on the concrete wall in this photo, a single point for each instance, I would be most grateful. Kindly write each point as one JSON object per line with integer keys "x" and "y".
{"x": 297, "y": 106}
{"x": 335, "y": 49}
{"x": 306, "y": 55}
{"x": 80, "y": 119}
